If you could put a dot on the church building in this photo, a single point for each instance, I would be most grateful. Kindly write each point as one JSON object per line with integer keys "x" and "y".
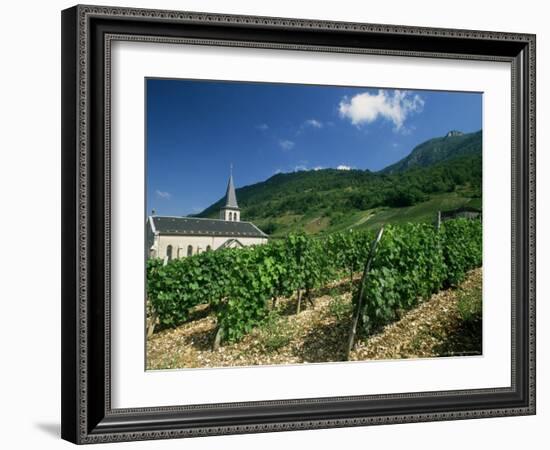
{"x": 178, "y": 237}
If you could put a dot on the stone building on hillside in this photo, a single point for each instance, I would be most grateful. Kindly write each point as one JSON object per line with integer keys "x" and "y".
{"x": 178, "y": 237}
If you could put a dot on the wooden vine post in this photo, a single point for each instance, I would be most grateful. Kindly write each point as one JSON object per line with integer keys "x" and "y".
{"x": 299, "y": 302}
{"x": 152, "y": 318}
{"x": 355, "y": 321}
{"x": 218, "y": 339}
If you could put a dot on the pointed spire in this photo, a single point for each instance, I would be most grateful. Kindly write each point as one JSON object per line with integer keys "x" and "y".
{"x": 230, "y": 196}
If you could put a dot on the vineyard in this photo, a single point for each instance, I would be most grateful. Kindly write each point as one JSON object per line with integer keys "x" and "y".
{"x": 240, "y": 287}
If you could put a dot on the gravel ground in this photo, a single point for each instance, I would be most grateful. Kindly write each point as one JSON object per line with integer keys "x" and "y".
{"x": 434, "y": 328}
{"x": 319, "y": 334}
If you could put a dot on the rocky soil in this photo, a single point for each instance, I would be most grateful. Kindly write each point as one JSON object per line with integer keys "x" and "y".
{"x": 319, "y": 333}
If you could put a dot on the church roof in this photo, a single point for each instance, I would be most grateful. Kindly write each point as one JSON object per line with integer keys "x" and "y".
{"x": 195, "y": 226}
{"x": 230, "y": 196}
{"x": 230, "y": 242}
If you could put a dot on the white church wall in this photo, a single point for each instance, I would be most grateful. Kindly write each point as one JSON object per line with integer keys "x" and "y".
{"x": 199, "y": 244}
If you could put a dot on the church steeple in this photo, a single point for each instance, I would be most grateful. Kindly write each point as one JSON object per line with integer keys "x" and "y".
{"x": 230, "y": 211}
{"x": 230, "y": 197}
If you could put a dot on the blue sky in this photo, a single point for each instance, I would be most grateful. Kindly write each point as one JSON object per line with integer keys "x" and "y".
{"x": 197, "y": 129}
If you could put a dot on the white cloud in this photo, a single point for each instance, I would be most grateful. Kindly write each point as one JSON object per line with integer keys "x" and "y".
{"x": 318, "y": 168}
{"x": 163, "y": 194}
{"x": 262, "y": 127}
{"x": 286, "y": 144}
{"x": 343, "y": 167}
{"x": 313, "y": 123}
{"x": 299, "y": 168}
{"x": 309, "y": 123}
{"x": 394, "y": 106}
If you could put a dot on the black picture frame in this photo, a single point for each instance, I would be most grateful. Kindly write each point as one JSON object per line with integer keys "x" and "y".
{"x": 87, "y": 416}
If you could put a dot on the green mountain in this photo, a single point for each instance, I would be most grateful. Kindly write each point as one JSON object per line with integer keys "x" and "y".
{"x": 438, "y": 174}
{"x": 454, "y": 145}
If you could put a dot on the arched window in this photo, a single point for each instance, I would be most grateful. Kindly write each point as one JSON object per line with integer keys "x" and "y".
{"x": 230, "y": 215}
{"x": 169, "y": 252}
{"x": 189, "y": 250}
{"x": 208, "y": 248}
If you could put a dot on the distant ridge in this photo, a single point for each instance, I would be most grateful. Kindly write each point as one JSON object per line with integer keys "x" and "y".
{"x": 453, "y": 133}
{"x": 453, "y": 145}
{"x": 442, "y": 173}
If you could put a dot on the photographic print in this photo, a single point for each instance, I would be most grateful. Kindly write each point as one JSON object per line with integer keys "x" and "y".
{"x": 292, "y": 223}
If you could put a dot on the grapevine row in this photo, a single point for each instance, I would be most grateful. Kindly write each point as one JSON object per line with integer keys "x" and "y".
{"x": 412, "y": 262}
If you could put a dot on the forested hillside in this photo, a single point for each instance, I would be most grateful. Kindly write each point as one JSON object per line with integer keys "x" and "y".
{"x": 440, "y": 174}
{"x": 453, "y": 145}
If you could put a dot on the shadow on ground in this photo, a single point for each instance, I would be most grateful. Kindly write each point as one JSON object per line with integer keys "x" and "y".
{"x": 202, "y": 340}
{"x": 53, "y": 429}
{"x": 326, "y": 343}
{"x": 466, "y": 340}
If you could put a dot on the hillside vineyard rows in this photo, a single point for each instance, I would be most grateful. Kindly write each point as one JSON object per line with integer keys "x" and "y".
{"x": 412, "y": 262}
